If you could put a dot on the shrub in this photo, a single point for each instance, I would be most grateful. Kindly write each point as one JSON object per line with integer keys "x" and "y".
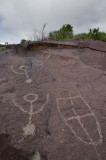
{"x": 64, "y": 33}
{"x": 23, "y": 41}
{"x": 2, "y": 48}
{"x": 93, "y": 34}
{"x": 82, "y": 36}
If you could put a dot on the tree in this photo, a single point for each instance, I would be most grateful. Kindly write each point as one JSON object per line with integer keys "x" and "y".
{"x": 94, "y": 33}
{"x": 23, "y": 41}
{"x": 64, "y": 33}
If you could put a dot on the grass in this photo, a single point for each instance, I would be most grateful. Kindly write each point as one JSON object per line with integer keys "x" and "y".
{"x": 2, "y": 49}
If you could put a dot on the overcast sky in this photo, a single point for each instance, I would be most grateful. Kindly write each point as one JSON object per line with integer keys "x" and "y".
{"x": 21, "y": 18}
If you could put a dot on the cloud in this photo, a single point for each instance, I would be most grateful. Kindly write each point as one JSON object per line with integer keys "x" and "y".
{"x": 20, "y": 18}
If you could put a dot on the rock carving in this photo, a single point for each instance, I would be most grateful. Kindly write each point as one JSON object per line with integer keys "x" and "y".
{"x": 30, "y": 128}
{"x": 71, "y": 97}
{"x": 25, "y": 72}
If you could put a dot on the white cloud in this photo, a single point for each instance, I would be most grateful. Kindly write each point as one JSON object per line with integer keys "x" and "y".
{"x": 21, "y": 17}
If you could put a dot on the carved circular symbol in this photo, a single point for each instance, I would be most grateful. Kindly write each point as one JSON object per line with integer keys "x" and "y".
{"x": 30, "y": 97}
{"x": 23, "y": 68}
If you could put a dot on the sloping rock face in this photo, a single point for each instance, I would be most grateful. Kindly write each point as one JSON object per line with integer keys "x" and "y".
{"x": 53, "y": 103}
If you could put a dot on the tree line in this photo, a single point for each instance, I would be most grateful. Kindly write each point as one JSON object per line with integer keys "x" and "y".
{"x": 66, "y": 33}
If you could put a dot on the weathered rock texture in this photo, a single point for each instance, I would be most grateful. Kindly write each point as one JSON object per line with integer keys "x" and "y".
{"x": 53, "y": 101}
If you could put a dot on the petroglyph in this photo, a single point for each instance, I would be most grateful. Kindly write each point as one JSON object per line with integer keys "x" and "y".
{"x": 71, "y": 61}
{"x": 25, "y": 72}
{"x": 30, "y": 128}
{"x": 77, "y": 114}
{"x": 97, "y": 54}
{"x": 58, "y": 58}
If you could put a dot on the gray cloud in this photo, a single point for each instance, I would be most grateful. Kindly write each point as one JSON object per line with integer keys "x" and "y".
{"x": 19, "y": 18}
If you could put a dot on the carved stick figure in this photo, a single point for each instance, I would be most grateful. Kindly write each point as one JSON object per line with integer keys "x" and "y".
{"x": 25, "y": 71}
{"x": 30, "y": 128}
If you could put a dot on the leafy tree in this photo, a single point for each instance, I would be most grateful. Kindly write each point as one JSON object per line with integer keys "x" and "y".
{"x": 23, "y": 41}
{"x": 81, "y": 36}
{"x": 93, "y": 34}
{"x": 64, "y": 33}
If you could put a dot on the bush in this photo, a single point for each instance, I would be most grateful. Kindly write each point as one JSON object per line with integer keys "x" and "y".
{"x": 64, "y": 33}
{"x": 23, "y": 41}
{"x": 2, "y": 48}
{"x": 92, "y": 34}
{"x": 81, "y": 36}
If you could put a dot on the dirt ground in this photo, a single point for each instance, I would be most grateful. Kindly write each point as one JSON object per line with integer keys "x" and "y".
{"x": 53, "y": 103}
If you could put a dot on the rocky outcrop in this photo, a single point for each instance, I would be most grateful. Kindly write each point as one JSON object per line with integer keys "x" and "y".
{"x": 52, "y": 101}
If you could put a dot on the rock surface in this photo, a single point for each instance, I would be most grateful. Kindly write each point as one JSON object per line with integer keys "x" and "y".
{"x": 53, "y": 103}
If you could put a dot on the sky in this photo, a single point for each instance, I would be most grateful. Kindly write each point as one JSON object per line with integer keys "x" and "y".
{"x": 21, "y": 19}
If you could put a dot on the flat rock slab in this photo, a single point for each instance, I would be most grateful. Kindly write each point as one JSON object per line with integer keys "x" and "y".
{"x": 53, "y": 104}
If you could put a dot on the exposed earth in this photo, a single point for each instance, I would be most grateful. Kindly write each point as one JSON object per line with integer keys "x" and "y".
{"x": 53, "y": 101}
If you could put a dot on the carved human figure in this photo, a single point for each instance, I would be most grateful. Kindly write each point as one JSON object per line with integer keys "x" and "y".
{"x": 30, "y": 128}
{"x": 25, "y": 72}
